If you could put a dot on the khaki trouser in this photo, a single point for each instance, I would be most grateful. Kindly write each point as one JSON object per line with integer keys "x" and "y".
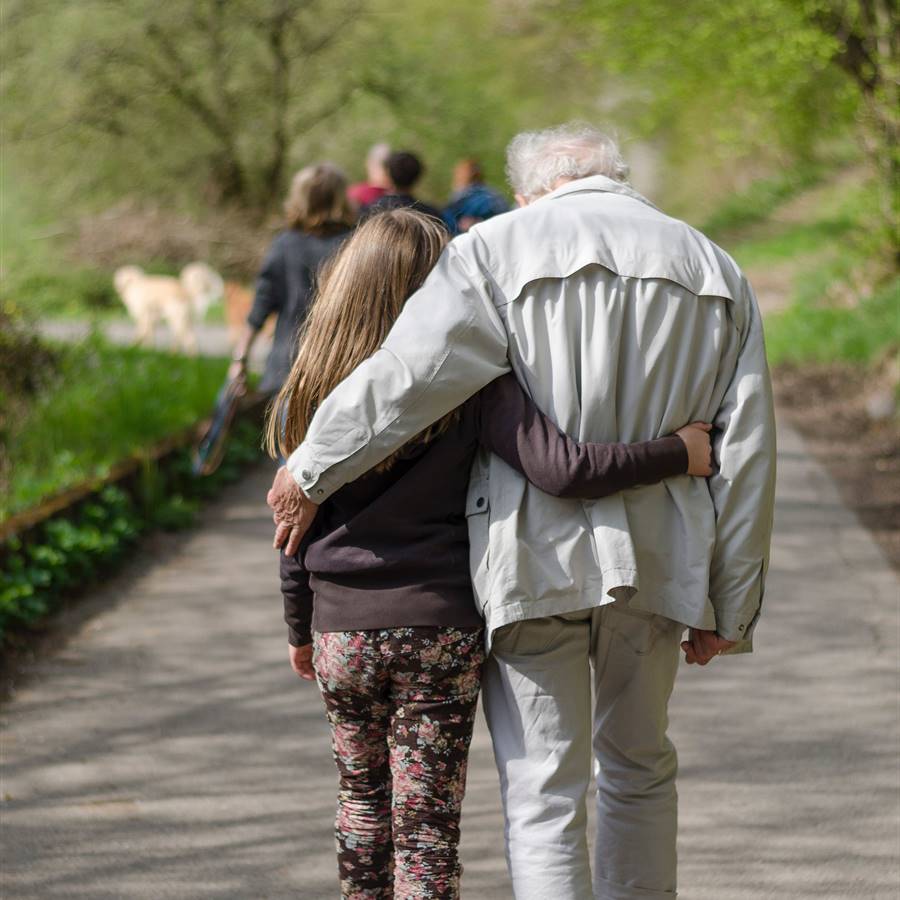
{"x": 537, "y": 700}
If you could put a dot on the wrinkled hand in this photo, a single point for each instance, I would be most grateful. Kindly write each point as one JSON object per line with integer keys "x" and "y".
{"x": 292, "y": 511}
{"x": 696, "y": 440}
{"x": 301, "y": 661}
{"x": 701, "y": 646}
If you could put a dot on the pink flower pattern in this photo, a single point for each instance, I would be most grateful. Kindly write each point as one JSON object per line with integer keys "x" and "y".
{"x": 401, "y": 703}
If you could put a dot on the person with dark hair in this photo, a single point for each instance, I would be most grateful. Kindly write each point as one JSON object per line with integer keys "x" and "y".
{"x": 404, "y": 169}
{"x": 472, "y": 200}
{"x": 318, "y": 217}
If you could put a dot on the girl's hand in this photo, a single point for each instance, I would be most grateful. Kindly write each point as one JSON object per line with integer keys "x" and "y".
{"x": 301, "y": 661}
{"x": 696, "y": 439}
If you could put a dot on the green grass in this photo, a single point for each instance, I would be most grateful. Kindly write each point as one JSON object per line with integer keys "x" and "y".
{"x": 104, "y": 404}
{"x": 789, "y": 242}
{"x": 829, "y": 253}
{"x": 825, "y": 333}
{"x": 760, "y": 200}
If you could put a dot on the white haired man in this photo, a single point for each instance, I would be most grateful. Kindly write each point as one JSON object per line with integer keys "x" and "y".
{"x": 622, "y": 323}
{"x": 378, "y": 180}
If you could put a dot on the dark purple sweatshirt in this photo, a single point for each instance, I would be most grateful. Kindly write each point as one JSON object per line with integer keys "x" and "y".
{"x": 391, "y": 549}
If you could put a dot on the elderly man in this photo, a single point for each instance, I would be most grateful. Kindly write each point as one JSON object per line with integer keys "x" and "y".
{"x": 623, "y": 324}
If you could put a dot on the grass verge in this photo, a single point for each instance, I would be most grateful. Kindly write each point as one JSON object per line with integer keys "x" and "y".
{"x": 821, "y": 332}
{"x": 832, "y": 264}
{"x": 102, "y": 404}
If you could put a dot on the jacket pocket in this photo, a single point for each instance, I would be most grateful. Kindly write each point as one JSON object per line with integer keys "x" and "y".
{"x": 478, "y": 519}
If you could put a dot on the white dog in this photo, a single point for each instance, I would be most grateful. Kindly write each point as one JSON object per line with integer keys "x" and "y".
{"x": 149, "y": 298}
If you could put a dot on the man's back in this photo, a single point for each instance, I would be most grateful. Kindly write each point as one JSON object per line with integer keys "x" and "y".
{"x": 624, "y": 324}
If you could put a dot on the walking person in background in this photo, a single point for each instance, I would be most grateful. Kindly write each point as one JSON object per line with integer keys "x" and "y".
{"x": 622, "y": 323}
{"x": 472, "y": 200}
{"x": 318, "y": 216}
{"x": 404, "y": 169}
{"x": 379, "y": 599}
{"x": 364, "y": 193}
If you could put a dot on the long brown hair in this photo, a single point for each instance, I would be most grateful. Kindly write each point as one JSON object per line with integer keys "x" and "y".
{"x": 361, "y": 292}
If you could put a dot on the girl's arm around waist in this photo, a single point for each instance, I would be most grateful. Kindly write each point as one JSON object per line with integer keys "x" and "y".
{"x": 519, "y": 433}
{"x": 297, "y": 594}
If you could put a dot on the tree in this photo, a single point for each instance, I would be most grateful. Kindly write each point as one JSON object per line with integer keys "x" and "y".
{"x": 211, "y": 93}
{"x": 782, "y": 72}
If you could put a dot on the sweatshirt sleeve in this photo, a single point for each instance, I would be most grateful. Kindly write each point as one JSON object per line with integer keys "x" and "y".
{"x": 297, "y": 594}
{"x": 519, "y": 433}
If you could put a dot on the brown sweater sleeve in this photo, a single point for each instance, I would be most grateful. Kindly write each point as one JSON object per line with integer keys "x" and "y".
{"x": 297, "y": 594}
{"x": 519, "y": 433}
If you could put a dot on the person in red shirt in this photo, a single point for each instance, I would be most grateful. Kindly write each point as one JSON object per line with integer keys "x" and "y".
{"x": 378, "y": 181}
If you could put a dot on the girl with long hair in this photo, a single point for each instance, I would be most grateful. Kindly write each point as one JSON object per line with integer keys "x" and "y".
{"x": 379, "y": 595}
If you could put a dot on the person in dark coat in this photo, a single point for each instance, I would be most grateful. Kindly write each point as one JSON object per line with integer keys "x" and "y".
{"x": 404, "y": 169}
{"x": 318, "y": 217}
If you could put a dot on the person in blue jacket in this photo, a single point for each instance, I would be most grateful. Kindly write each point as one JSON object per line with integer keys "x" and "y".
{"x": 472, "y": 200}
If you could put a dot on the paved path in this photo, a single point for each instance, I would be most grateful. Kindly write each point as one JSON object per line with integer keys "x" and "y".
{"x": 168, "y": 751}
{"x": 212, "y": 337}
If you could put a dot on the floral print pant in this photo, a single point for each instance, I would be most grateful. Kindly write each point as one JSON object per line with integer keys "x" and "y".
{"x": 401, "y": 703}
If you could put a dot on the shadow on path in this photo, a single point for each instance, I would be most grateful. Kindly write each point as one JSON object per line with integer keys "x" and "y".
{"x": 169, "y": 752}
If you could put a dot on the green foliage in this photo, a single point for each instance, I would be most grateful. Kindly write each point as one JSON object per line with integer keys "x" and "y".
{"x": 212, "y": 93}
{"x": 210, "y": 103}
{"x": 104, "y": 404}
{"x": 826, "y": 332}
{"x": 760, "y": 200}
{"x": 75, "y": 292}
{"x": 70, "y": 552}
{"x": 823, "y": 250}
{"x": 763, "y": 84}
{"x": 748, "y": 74}
{"x": 38, "y": 279}
{"x": 197, "y": 104}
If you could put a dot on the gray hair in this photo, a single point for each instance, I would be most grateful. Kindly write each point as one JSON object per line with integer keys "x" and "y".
{"x": 378, "y": 153}
{"x": 536, "y": 160}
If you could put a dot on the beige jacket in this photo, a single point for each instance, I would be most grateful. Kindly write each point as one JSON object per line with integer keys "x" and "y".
{"x": 623, "y": 324}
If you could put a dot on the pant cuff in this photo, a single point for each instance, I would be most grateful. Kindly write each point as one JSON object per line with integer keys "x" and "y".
{"x": 609, "y": 890}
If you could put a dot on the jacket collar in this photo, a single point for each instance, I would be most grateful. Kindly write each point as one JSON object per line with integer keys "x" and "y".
{"x": 596, "y": 183}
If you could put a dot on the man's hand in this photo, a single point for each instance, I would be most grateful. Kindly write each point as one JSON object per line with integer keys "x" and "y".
{"x": 702, "y": 646}
{"x": 293, "y": 512}
{"x": 699, "y": 449}
{"x": 301, "y": 661}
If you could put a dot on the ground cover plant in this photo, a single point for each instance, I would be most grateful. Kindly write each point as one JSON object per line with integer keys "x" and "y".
{"x": 72, "y": 551}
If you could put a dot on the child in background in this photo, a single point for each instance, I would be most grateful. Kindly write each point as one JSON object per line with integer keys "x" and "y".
{"x": 378, "y": 600}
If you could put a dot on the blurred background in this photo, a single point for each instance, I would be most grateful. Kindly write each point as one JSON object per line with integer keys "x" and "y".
{"x": 155, "y": 134}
